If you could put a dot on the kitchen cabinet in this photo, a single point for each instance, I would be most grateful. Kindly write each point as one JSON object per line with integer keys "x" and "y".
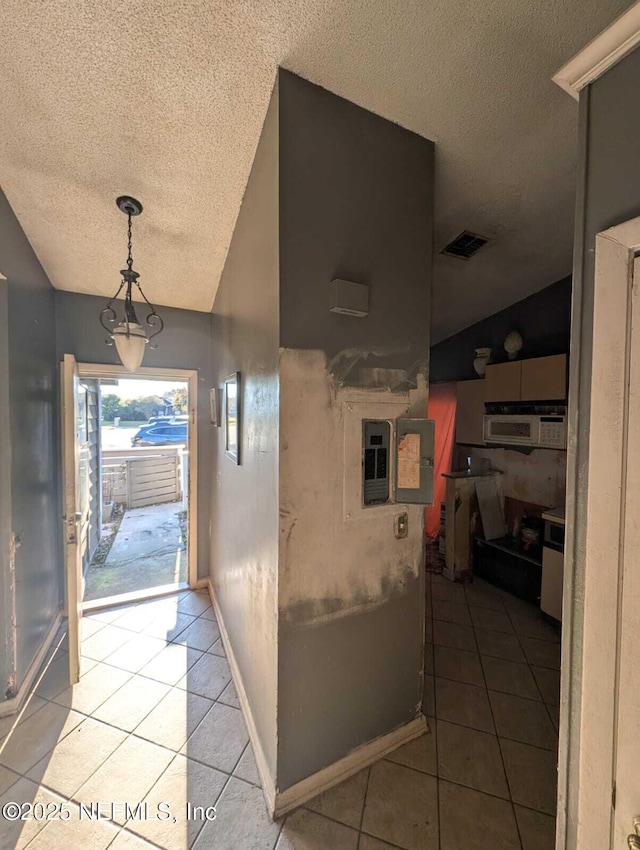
{"x": 544, "y": 379}
{"x": 470, "y": 411}
{"x": 503, "y": 381}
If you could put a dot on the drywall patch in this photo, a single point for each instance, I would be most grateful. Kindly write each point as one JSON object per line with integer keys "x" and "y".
{"x": 336, "y": 556}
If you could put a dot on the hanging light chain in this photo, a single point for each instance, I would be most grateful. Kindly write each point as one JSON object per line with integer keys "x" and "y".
{"x": 129, "y": 246}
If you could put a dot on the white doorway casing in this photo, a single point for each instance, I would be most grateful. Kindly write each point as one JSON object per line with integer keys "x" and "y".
{"x": 600, "y": 707}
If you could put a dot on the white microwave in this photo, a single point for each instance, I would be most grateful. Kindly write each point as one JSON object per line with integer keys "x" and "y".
{"x": 548, "y": 432}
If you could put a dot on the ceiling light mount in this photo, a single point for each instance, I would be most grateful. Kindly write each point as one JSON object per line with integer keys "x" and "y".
{"x": 128, "y": 335}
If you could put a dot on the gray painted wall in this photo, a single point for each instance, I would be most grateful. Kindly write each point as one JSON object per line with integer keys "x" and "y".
{"x": 185, "y": 343}
{"x": 244, "y": 519}
{"x": 356, "y": 195}
{"x": 27, "y": 356}
{"x": 543, "y": 319}
{"x": 608, "y": 193}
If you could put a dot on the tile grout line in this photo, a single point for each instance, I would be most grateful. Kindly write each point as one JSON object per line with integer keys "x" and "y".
{"x": 504, "y": 766}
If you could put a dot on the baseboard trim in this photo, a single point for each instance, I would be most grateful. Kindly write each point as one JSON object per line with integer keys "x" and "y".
{"x": 201, "y": 583}
{"x": 340, "y": 770}
{"x": 13, "y": 705}
{"x": 268, "y": 785}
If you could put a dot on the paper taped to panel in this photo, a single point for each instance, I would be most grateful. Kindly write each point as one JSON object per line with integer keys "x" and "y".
{"x": 414, "y": 461}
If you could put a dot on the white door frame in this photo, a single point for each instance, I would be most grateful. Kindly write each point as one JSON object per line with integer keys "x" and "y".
{"x": 190, "y": 376}
{"x": 596, "y": 504}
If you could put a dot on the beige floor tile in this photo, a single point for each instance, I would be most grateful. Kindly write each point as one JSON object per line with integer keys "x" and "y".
{"x": 247, "y": 768}
{"x": 104, "y": 642}
{"x": 127, "y": 775}
{"x": 35, "y": 737}
{"x": 126, "y": 840}
{"x": 218, "y": 648}
{"x": 242, "y": 821}
{"x": 499, "y": 645}
{"x": 7, "y": 778}
{"x": 368, "y": 842}
{"x": 77, "y": 757}
{"x": 429, "y": 696}
{"x": 484, "y": 596}
{"x": 137, "y": 652}
{"x": 428, "y": 630}
{"x": 201, "y": 634}
{"x": 471, "y": 758}
{"x": 402, "y": 807}
{"x": 89, "y": 627}
{"x": 453, "y": 635}
{"x": 428, "y": 659}
{"x": 451, "y": 612}
{"x": 168, "y": 625}
{"x": 463, "y": 704}
{"x": 7, "y": 723}
{"x": 554, "y": 714}
{"x": 194, "y": 603}
{"x": 131, "y": 703}
{"x": 535, "y": 627}
{"x": 14, "y": 835}
{"x": 458, "y": 665}
{"x": 208, "y": 614}
{"x": 94, "y": 688}
{"x": 171, "y": 664}
{"x": 537, "y": 831}
{"x": 208, "y": 677}
{"x": 475, "y": 821}
{"x": 55, "y": 678}
{"x": 509, "y": 677}
{"x": 76, "y": 832}
{"x": 542, "y": 653}
{"x": 497, "y": 621}
{"x": 140, "y": 617}
{"x": 344, "y": 802}
{"x": 549, "y": 684}
{"x": 532, "y": 775}
{"x": 230, "y": 696}
{"x": 107, "y": 615}
{"x": 174, "y": 719}
{"x": 419, "y": 754}
{"x": 220, "y": 739}
{"x": 305, "y": 830}
{"x": 523, "y": 720}
{"x": 183, "y": 782}
{"x": 449, "y": 592}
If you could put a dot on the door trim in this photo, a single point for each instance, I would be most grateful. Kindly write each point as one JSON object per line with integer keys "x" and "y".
{"x": 190, "y": 376}
{"x": 594, "y": 552}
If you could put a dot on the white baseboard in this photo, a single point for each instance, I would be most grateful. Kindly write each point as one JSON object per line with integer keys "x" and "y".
{"x": 267, "y": 781}
{"x": 281, "y": 802}
{"x": 13, "y": 705}
{"x": 201, "y": 583}
{"x": 351, "y": 764}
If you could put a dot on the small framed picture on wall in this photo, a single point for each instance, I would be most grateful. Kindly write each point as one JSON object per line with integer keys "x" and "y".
{"x": 215, "y": 405}
{"x": 233, "y": 418}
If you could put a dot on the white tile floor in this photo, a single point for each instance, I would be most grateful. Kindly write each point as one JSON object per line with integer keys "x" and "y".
{"x": 155, "y": 718}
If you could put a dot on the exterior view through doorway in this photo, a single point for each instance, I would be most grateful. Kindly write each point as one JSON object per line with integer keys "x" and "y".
{"x": 130, "y": 470}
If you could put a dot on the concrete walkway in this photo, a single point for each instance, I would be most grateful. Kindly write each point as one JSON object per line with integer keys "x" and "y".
{"x": 148, "y": 552}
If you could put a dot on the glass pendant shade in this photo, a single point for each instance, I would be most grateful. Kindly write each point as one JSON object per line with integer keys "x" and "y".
{"x": 130, "y": 345}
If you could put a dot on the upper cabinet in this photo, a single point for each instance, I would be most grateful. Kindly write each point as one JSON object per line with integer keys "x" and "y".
{"x": 503, "y": 381}
{"x": 544, "y": 379}
{"x": 540, "y": 379}
{"x": 470, "y": 412}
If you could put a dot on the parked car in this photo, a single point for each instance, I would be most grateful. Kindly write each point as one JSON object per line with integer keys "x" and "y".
{"x": 167, "y": 417}
{"x": 161, "y": 434}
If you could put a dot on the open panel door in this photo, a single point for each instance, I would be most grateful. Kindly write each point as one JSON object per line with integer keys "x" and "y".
{"x": 73, "y": 514}
{"x": 415, "y": 449}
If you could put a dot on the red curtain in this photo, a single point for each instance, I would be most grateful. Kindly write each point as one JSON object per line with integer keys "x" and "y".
{"x": 441, "y": 408}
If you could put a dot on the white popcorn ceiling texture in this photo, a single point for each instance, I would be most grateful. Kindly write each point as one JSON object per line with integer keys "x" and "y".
{"x": 165, "y": 101}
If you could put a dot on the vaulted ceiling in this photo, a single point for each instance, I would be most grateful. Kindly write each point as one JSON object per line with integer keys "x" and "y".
{"x": 165, "y": 101}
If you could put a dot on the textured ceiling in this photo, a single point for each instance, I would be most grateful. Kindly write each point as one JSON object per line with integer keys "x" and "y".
{"x": 165, "y": 100}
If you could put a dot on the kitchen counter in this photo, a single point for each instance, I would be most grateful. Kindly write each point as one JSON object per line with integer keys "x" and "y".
{"x": 554, "y": 515}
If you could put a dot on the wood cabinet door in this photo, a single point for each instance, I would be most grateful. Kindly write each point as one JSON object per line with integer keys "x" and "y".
{"x": 470, "y": 411}
{"x": 503, "y": 381}
{"x": 544, "y": 378}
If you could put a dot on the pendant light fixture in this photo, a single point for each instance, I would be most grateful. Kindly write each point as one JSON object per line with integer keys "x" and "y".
{"x": 129, "y": 336}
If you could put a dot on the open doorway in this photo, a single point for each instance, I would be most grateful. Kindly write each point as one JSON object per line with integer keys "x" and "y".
{"x": 135, "y": 454}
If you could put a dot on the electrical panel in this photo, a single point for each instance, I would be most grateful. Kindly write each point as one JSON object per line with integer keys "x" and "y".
{"x": 415, "y": 439}
{"x": 376, "y": 438}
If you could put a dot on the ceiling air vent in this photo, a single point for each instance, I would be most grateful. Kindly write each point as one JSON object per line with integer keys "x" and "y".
{"x": 464, "y": 246}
